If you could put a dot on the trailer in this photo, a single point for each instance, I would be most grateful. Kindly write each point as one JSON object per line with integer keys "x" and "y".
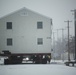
{"x": 18, "y": 58}
{"x": 25, "y": 35}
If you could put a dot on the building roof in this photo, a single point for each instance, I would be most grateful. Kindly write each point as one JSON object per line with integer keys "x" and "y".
{"x": 24, "y": 9}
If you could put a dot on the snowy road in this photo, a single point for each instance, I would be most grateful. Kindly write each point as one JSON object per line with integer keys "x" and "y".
{"x": 37, "y": 69}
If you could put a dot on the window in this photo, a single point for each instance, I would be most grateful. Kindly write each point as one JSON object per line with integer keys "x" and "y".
{"x": 9, "y": 25}
{"x": 40, "y": 41}
{"x": 39, "y": 25}
{"x": 9, "y": 42}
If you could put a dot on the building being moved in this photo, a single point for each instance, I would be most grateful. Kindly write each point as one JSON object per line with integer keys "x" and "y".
{"x": 25, "y": 32}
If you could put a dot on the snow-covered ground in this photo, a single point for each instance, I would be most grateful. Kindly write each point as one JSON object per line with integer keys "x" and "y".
{"x": 54, "y": 68}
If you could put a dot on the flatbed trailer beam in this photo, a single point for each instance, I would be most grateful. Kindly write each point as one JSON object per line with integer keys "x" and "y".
{"x": 22, "y": 54}
{"x": 17, "y": 58}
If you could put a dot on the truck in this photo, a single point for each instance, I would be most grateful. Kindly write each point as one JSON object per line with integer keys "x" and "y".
{"x": 25, "y": 35}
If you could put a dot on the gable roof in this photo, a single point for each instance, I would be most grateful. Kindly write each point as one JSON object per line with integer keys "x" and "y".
{"x": 24, "y": 8}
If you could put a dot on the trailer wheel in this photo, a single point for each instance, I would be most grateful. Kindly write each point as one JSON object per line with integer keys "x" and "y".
{"x": 44, "y": 61}
{"x": 6, "y": 61}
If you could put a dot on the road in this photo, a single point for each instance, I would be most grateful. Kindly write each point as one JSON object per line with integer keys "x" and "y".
{"x": 37, "y": 69}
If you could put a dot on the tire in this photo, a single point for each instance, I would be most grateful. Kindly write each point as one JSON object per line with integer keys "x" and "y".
{"x": 44, "y": 61}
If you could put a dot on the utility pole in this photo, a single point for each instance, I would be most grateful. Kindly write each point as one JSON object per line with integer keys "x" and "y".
{"x": 54, "y": 45}
{"x": 75, "y": 29}
{"x": 62, "y": 34}
{"x": 68, "y": 40}
{"x": 57, "y": 34}
{"x": 63, "y": 42}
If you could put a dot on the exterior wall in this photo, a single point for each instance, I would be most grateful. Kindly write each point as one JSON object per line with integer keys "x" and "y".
{"x": 24, "y": 33}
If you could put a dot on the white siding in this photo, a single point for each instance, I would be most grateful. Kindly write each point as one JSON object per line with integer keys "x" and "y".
{"x": 24, "y": 33}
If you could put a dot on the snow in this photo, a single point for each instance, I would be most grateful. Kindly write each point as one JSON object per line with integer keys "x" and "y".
{"x": 54, "y": 68}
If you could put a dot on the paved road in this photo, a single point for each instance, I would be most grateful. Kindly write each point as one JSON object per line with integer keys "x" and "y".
{"x": 37, "y": 69}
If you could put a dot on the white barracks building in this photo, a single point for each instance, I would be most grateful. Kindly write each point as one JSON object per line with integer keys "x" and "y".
{"x": 25, "y": 31}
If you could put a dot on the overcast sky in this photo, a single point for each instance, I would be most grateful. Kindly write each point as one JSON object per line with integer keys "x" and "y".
{"x": 58, "y": 10}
